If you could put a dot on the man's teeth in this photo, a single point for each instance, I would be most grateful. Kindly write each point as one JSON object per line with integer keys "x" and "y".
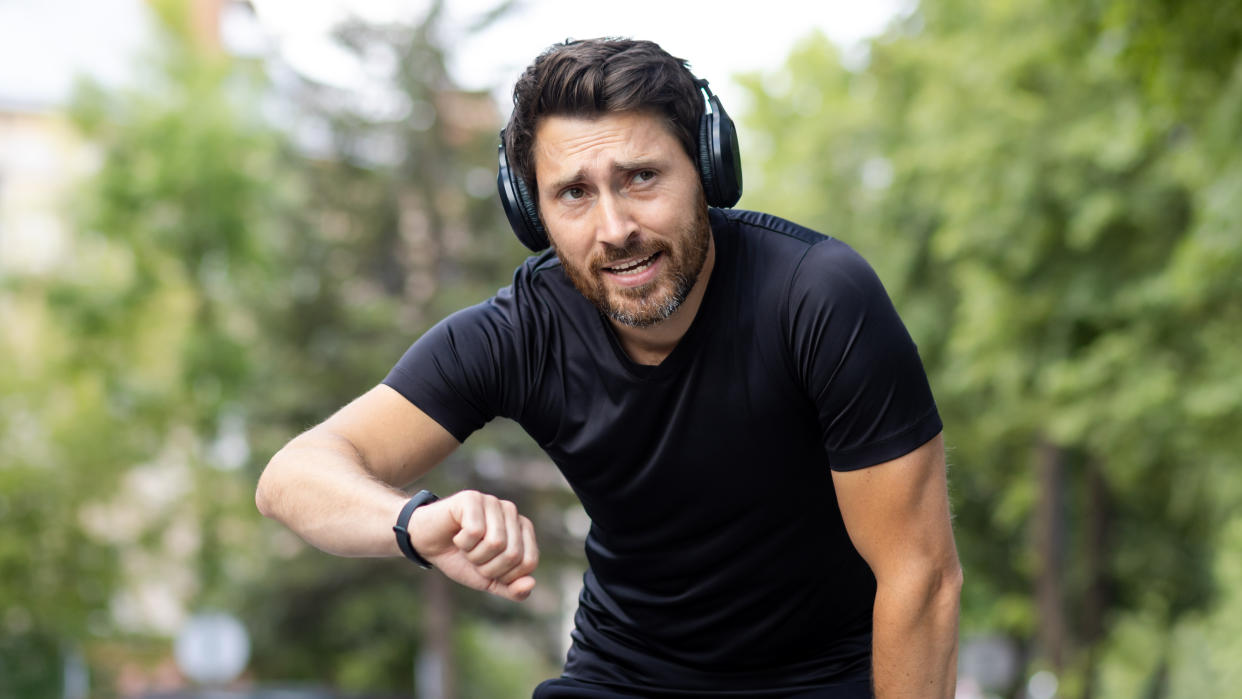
{"x": 633, "y": 267}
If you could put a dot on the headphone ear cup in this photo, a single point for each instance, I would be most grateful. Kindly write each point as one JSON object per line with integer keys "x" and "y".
{"x": 519, "y": 207}
{"x": 536, "y": 238}
{"x": 706, "y": 175}
{"x": 726, "y": 158}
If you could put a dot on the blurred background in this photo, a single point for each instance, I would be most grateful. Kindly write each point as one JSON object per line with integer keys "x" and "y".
{"x": 221, "y": 220}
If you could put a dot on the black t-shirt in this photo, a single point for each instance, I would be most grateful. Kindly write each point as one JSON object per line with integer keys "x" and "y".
{"x": 718, "y": 558}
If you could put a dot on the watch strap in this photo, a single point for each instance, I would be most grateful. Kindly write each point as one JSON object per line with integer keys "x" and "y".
{"x": 422, "y": 497}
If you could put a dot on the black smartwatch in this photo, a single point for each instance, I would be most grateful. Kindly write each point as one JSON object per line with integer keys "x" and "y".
{"x": 403, "y": 534}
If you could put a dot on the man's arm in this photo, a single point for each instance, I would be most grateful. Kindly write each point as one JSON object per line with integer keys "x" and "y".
{"x": 897, "y": 515}
{"x": 337, "y": 486}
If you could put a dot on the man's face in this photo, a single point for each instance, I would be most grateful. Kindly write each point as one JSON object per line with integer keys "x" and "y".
{"x": 624, "y": 211}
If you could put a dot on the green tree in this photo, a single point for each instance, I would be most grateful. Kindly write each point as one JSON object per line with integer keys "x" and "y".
{"x": 1049, "y": 192}
{"x": 136, "y": 358}
{"x": 227, "y": 289}
{"x": 398, "y": 228}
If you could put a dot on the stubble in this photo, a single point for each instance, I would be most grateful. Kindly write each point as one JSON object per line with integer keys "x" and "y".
{"x": 657, "y": 300}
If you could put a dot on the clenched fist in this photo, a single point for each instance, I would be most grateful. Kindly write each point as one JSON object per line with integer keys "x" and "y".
{"x": 478, "y": 540}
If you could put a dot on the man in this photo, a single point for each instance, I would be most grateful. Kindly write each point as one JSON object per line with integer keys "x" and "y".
{"x": 732, "y": 397}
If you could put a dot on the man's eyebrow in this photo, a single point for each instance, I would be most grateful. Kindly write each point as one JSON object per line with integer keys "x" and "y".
{"x": 567, "y": 180}
{"x": 636, "y": 164}
{"x": 619, "y": 166}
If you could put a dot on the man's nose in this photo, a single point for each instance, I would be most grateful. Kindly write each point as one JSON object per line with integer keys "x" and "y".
{"x": 616, "y": 224}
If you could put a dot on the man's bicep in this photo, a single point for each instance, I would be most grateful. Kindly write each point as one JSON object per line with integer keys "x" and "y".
{"x": 448, "y": 384}
{"x": 396, "y": 440}
{"x": 897, "y": 512}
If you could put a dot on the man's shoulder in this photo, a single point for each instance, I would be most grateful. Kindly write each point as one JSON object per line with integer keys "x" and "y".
{"x": 771, "y": 229}
{"x": 536, "y": 280}
{"x": 774, "y": 248}
{"x": 538, "y": 297}
{"x": 537, "y": 269}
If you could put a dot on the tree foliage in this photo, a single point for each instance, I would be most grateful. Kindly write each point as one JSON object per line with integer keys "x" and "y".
{"x": 1049, "y": 191}
{"x": 137, "y": 340}
{"x": 396, "y": 228}
{"x": 228, "y": 287}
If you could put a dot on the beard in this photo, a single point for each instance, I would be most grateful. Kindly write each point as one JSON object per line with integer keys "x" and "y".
{"x": 646, "y": 305}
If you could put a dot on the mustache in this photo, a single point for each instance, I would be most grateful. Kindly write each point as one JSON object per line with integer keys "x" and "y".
{"x": 633, "y": 250}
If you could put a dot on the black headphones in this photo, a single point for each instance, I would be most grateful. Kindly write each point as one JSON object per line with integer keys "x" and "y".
{"x": 720, "y": 170}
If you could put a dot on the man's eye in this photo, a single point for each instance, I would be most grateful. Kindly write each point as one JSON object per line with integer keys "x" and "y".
{"x": 573, "y": 193}
{"x": 644, "y": 175}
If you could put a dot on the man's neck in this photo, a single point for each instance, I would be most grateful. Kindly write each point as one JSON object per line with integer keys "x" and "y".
{"x": 652, "y": 344}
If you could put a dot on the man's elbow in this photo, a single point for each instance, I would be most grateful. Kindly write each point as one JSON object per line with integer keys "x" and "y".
{"x": 262, "y": 500}
{"x": 951, "y": 579}
{"x": 266, "y": 493}
{"x": 943, "y": 589}
{"x": 933, "y": 586}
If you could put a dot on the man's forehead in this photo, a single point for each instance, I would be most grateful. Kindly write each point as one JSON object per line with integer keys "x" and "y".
{"x": 566, "y": 136}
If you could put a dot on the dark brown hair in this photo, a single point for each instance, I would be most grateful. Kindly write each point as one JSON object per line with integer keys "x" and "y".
{"x": 598, "y": 76}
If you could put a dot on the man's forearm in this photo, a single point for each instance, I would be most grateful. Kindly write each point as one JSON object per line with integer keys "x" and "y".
{"x": 323, "y": 489}
{"x": 914, "y": 644}
{"x": 318, "y": 487}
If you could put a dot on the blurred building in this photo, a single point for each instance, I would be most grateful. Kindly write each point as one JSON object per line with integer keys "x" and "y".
{"x": 41, "y": 54}
{"x": 45, "y": 47}
{"x": 39, "y": 154}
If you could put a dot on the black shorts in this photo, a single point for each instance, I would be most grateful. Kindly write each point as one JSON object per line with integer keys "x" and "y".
{"x": 565, "y": 688}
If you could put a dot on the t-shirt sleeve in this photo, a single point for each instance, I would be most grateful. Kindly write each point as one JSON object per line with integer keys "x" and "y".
{"x": 456, "y": 371}
{"x": 856, "y": 360}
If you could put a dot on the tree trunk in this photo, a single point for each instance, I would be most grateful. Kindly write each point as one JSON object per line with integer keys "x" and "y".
{"x": 1096, "y": 600}
{"x": 436, "y": 671}
{"x": 1050, "y": 548}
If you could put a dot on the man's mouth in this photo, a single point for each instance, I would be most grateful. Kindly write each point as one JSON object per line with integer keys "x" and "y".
{"x": 634, "y": 267}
